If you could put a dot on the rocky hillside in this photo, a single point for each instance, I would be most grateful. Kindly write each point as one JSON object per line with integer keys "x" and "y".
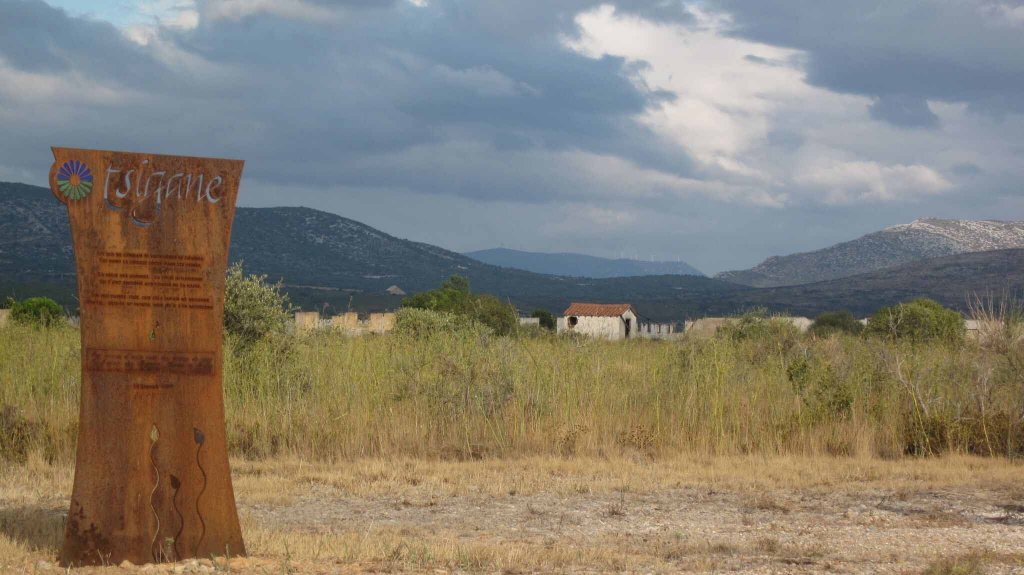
{"x": 35, "y": 240}
{"x": 332, "y": 263}
{"x": 323, "y": 260}
{"x": 893, "y": 246}
{"x": 580, "y": 265}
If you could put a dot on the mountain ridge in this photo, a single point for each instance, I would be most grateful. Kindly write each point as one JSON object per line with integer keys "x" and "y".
{"x": 579, "y": 265}
{"x": 331, "y": 263}
{"x": 892, "y": 246}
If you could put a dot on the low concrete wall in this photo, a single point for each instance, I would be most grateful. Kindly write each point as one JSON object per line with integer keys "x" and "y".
{"x": 346, "y": 321}
{"x": 801, "y": 323}
{"x": 529, "y": 321}
{"x": 306, "y": 321}
{"x": 657, "y": 330}
{"x": 989, "y": 331}
{"x": 381, "y": 322}
{"x": 706, "y": 327}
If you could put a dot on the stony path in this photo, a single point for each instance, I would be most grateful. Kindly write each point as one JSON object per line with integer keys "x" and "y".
{"x": 867, "y": 531}
{"x": 568, "y": 516}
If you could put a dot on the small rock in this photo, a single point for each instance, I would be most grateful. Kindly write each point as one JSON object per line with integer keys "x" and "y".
{"x": 126, "y": 564}
{"x": 206, "y": 563}
{"x": 239, "y": 563}
{"x": 44, "y": 565}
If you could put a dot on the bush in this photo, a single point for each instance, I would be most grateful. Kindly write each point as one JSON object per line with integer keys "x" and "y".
{"x": 496, "y": 314}
{"x": 832, "y": 322}
{"x": 41, "y": 311}
{"x": 919, "y": 320}
{"x": 757, "y": 324}
{"x": 417, "y": 322}
{"x": 454, "y": 297}
{"x": 253, "y": 309}
{"x": 547, "y": 319}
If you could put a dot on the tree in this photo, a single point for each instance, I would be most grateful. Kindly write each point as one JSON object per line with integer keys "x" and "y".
{"x": 41, "y": 311}
{"x": 454, "y": 296}
{"x": 253, "y": 309}
{"x": 494, "y": 313}
{"x": 919, "y": 320}
{"x": 832, "y": 322}
{"x": 547, "y": 319}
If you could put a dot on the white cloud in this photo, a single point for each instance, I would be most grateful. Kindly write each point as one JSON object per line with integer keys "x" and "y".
{"x": 734, "y": 96}
{"x": 39, "y": 89}
{"x": 857, "y": 182}
{"x": 724, "y": 99}
{"x": 1002, "y": 14}
{"x": 152, "y": 15}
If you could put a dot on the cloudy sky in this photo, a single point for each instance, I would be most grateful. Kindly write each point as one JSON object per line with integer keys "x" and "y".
{"x": 718, "y": 132}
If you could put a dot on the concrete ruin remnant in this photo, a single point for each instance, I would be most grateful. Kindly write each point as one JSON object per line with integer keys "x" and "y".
{"x": 381, "y": 322}
{"x": 306, "y": 321}
{"x": 347, "y": 321}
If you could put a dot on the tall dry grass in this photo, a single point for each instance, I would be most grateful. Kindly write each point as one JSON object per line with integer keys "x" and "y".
{"x": 468, "y": 395}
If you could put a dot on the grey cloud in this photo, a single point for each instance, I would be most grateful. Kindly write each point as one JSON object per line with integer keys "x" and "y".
{"x": 906, "y": 50}
{"x": 786, "y": 139}
{"x": 967, "y": 169}
{"x": 426, "y": 118}
{"x": 764, "y": 61}
{"x": 905, "y": 111}
{"x": 320, "y": 103}
{"x": 38, "y": 38}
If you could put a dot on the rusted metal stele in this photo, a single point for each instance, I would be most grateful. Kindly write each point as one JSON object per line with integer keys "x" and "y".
{"x": 151, "y": 236}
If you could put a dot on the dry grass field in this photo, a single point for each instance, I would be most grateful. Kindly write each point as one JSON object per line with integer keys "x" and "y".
{"x": 769, "y": 452}
{"x": 547, "y": 514}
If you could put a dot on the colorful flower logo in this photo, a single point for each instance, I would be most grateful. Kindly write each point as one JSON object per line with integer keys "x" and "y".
{"x": 74, "y": 180}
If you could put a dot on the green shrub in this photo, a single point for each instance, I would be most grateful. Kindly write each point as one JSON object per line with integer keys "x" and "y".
{"x": 498, "y": 315}
{"x": 832, "y": 322}
{"x": 455, "y": 297}
{"x": 41, "y": 311}
{"x": 452, "y": 297}
{"x": 547, "y": 319}
{"x": 424, "y": 323}
{"x": 253, "y": 309}
{"x": 919, "y": 320}
{"x": 758, "y": 325}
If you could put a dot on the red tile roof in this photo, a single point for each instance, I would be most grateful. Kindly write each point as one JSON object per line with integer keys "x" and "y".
{"x": 599, "y": 309}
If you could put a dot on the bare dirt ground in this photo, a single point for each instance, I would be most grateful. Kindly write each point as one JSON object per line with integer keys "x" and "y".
{"x": 742, "y": 515}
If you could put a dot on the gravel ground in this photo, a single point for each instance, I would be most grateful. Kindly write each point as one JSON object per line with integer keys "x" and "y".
{"x": 869, "y": 531}
{"x": 440, "y": 519}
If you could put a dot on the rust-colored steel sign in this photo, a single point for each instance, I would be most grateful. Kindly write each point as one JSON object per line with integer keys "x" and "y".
{"x": 151, "y": 237}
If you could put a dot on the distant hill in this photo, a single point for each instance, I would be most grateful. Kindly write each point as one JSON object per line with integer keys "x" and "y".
{"x": 580, "y": 265}
{"x": 896, "y": 245}
{"x": 332, "y": 263}
{"x": 951, "y": 280}
{"x": 322, "y": 258}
